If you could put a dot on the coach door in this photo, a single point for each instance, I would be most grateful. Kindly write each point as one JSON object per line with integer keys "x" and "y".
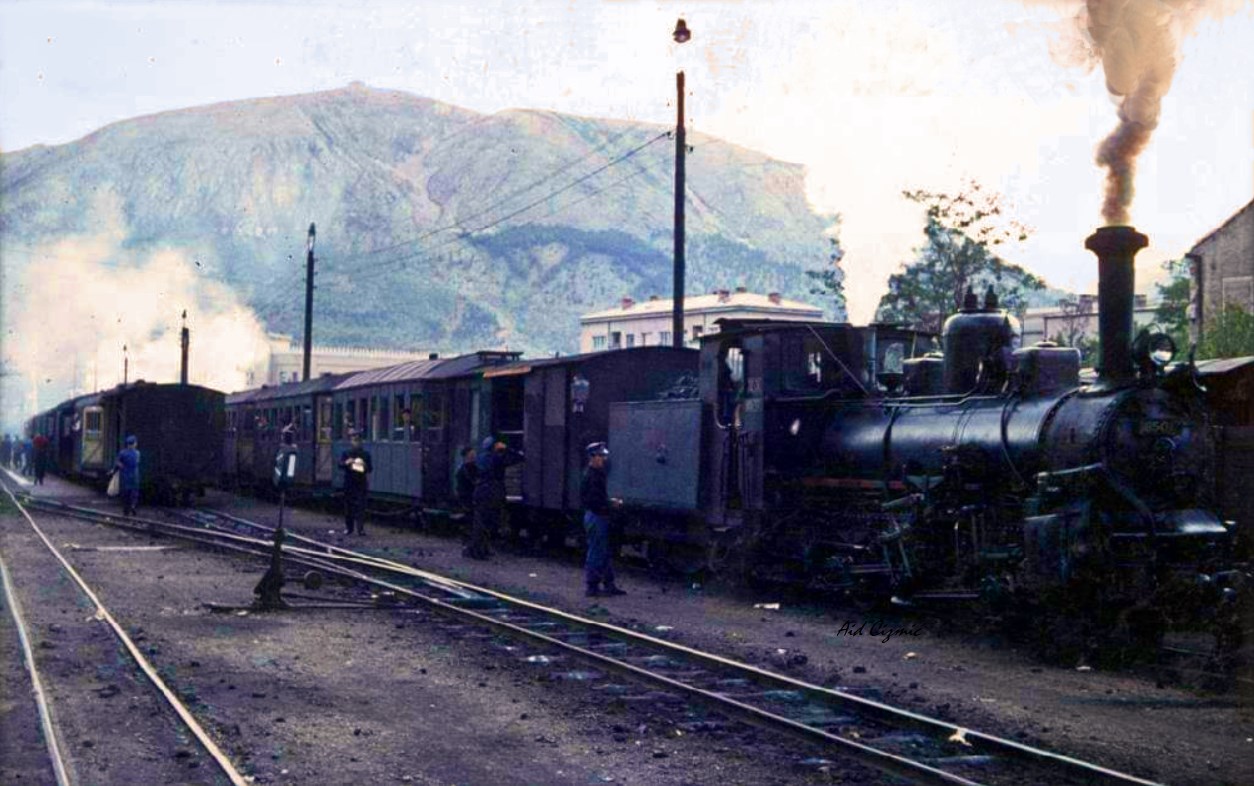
{"x": 324, "y": 464}
{"x": 93, "y": 437}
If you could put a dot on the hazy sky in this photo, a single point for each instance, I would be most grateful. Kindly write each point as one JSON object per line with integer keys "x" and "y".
{"x": 873, "y": 97}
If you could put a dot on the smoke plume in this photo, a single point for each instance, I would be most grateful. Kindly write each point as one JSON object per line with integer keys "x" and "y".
{"x": 1137, "y": 43}
{"x": 76, "y": 302}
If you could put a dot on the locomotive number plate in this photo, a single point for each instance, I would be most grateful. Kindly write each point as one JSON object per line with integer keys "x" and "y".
{"x": 1158, "y": 428}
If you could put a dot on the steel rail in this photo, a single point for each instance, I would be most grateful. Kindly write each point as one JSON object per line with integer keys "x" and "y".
{"x": 41, "y": 698}
{"x": 103, "y": 614}
{"x": 895, "y": 764}
{"x": 884, "y": 712}
{"x": 889, "y": 762}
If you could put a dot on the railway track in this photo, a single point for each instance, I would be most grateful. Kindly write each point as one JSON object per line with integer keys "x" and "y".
{"x": 59, "y": 758}
{"x": 632, "y": 666}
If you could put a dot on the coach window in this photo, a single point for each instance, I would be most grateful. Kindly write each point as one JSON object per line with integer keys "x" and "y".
{"x": 384, "y": 431}
{"x": 306, "y": 423}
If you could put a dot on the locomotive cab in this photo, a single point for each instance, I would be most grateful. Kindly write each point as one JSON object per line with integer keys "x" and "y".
{"x": 767, "y": 388}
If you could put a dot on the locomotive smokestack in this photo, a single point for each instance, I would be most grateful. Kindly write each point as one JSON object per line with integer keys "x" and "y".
{"x": 186, "y": 340}
{"x": 1115, "y": 248}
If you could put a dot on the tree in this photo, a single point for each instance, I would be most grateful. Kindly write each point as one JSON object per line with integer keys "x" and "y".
{"x": 829, "y": 282}
{"x": 961, "y": 233}
{"x": 1173, "y": 310}
{"x": 1229, "y": 335}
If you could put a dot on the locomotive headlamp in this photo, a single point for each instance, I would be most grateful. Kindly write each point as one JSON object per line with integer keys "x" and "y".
{"x": 1153, "y": 349}
{"x": 795, "y": 428}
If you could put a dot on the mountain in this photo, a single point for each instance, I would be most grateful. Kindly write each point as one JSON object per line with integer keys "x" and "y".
{"x": 437, "y": 227}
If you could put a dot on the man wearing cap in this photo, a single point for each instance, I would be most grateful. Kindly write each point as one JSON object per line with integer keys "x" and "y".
{"x": 598, "y": 572}
{"x": 127, "y": 464}
{"x": 357, "y": 467}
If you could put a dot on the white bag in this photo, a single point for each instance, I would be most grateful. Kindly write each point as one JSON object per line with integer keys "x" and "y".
{"x": 115, "y": 485}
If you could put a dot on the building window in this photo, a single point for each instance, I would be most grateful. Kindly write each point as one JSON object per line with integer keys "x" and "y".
{"x": 598, "y": 342}
{"x": 616, "y": 340}
{"x": 664, "y": 338}
{"x": 696, "y": 332}
{"x": 631, "y": 339}
{"x": 644, "y": 339}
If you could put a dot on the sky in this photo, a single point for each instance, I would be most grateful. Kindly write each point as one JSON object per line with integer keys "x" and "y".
{"x": 872, "y": 97}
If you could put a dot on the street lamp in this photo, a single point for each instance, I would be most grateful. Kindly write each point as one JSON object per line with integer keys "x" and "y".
{"x": 680, "y": 35}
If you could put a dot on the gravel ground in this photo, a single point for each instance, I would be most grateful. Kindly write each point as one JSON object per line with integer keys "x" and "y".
{"x": 312, "y": 697}
{"x": 1126, "y": 721}
{"x": 331, "y": 696}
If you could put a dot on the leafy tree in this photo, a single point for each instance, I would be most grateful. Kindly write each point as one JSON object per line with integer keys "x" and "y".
{"x": 1173, "y": 310}
{"x": 829, "y": 282}
{"x": 1229, "y": 335}
{"x": 961, "y": 231}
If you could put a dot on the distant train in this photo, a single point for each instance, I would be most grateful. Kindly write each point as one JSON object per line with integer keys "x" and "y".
{"x": 851, "y": 458}
{"x": 179, "y": 428}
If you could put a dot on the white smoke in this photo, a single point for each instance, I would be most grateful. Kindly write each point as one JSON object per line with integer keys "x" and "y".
{"x": 77, "y": 301}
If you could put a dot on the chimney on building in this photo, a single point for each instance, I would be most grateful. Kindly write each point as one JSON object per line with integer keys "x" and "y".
{"x": 652, "y": 298}
{"x": 1116, "y": 281}
{"x": 741, "y": 290}
{"x": 775, "y": 298}
{"x": 723, "y": 295}
{"x": 433, "y": 356}
{"x": 628, "y": 303}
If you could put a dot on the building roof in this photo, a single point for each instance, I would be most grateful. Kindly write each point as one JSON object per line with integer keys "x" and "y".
{"x": 706, "y": 304}
{"x": 1220, "y": 228}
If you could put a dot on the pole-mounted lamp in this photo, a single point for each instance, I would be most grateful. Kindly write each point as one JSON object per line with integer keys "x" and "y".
{"x": 681, "y": 34}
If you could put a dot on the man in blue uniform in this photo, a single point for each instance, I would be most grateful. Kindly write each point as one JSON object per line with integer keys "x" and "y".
{"x": 489, "y": 496}
{"x": 598, "y": 570}
{"x": 127, "y": 464}
{"x": 357, "y": 467}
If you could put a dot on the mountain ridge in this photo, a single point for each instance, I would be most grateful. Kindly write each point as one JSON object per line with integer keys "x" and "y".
{"x": 437, "y": 226}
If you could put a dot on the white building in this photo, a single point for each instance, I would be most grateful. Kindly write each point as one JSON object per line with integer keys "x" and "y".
{"x": 649, "y": 323}
{"x": 1077, "y": 319}
{"x": 287, "y": 359}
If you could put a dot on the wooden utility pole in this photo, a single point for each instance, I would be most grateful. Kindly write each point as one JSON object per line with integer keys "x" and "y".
{"x": 309, "y": 289}
{"x": 681, "y": 35}
{"x": 681, "y": 148}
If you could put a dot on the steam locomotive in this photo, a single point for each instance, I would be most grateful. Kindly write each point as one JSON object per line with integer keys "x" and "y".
{"x": 855, "y": 458}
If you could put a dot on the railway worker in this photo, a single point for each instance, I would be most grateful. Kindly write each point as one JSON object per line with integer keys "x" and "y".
{"x": 357, "y": 468}
{"x": 127, "y": 464}
{"x": 465, "y": 479}
{"x": 489, "y": 497}
{"x": 598, "y": 570}
{"x": 41, "y": 445}
{"x": 6, "y": 451}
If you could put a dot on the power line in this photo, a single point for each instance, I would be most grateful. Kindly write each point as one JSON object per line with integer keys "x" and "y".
{"x": 404, "y": 258}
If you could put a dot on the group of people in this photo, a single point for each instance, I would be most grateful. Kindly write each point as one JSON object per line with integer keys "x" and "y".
{"x": 29, "y": 457}
{"x": 480, "y": 487}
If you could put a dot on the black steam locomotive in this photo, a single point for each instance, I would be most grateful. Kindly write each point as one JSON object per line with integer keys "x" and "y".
{"x": 856, "y": 458}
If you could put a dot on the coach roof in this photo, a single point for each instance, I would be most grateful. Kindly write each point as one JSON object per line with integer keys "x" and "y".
{"x": 438, "y": 368}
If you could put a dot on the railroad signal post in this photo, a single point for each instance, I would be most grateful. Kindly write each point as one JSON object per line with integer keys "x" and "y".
{"x": 269, "y": 590}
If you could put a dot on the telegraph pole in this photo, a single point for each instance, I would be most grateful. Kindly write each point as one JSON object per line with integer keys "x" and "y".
{"x": 309, "y": 289}
{"x": 680, "y": 35}
{"x": 126, "y": 365}
{"x": 185, "y": 337}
